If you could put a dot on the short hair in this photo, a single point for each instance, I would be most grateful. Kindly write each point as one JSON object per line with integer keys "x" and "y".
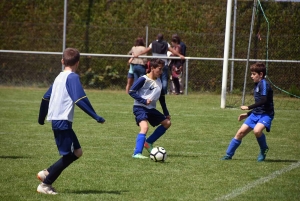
{"x": 71, "y": 56}
{"x": 259, "y": 68}
{"x": 139, "y": 42}
{"x": 160, "y": 37}
{"x": 176, "y": 39}
{"x": 155, "y": 62}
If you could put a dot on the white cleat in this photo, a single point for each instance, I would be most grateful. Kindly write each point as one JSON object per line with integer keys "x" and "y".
{"x": 46, "y": 189}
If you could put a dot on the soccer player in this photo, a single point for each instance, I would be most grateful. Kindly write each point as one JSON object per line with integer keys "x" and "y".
{"x": 146, "y": 91}
{"x": 58, "y": 102}
{"x": 260, "y": 116}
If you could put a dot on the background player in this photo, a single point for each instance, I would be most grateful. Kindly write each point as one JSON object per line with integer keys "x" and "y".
{"x": 259, "y": 118}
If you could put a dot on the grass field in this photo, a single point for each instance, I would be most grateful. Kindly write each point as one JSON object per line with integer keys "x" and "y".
{"x": 196, "y": 141}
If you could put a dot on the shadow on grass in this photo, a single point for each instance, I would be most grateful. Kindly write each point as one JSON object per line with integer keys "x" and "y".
{"x": 12, "y": 157}
{"x": 280, "y": 161}
{"x": 183, "y": 155}
{"x": 95, "y": 192}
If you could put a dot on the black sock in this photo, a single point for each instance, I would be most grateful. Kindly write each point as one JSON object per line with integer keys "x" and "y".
{"x": 56, "y": 169}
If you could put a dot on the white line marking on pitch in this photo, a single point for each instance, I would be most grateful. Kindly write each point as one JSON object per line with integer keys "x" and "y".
{"x": 262, "y": 180}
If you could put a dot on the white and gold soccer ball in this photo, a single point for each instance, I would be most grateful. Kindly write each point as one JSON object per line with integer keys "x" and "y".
{"x": 158, "y": 154}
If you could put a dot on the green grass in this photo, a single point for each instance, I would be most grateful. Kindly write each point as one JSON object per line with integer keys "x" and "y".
{"x": 196, "y": 141}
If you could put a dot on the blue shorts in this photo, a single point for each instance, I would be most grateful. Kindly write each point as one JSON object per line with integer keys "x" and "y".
{"x": 130, "y": 75}
{"x": 66, "y": 141}
{"x": 153, "y": 116}
{"x": 264, "y": 119}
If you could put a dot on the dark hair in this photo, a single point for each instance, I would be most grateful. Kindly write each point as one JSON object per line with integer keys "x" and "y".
{"x": 139, "y": 42}
{"x": 176, "y": 39}
{"x": 160, "y": 37}
{"x": 156, "y": 62}
{"x": 71, "y": 56}
{"x": 258, "y": 68}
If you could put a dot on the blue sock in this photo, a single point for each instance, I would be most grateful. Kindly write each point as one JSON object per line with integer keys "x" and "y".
{"x": 233, "y": 145}
{"x": 139, "y": 143}
{"x": 159, "y": 131}
{"x": 262, "y": 142}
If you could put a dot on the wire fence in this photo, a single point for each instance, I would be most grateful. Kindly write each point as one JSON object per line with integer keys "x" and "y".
{"x": 110, "y": 72}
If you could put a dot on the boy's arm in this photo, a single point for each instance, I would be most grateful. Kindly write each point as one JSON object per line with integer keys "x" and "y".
{"x": 143, "y": 52}
{"x": 44, "y": 106}
{"x": 163, "y": 104}
{"x": 135, "y": 87}
{"x": 79, "y": 97}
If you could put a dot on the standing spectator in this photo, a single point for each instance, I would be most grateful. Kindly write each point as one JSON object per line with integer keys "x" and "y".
{"x": 138, "y": 64}
{"x": 183, "y": 52}
{"x": 259, "y": 117}
{"x": 59, "y": 102}
{"x": 130, "y": 76}
{"x": 176, "y": 65}
{"x": 160, "y": 48}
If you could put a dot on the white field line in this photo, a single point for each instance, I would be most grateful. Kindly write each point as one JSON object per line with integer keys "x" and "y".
{"x": 262, "y": 180}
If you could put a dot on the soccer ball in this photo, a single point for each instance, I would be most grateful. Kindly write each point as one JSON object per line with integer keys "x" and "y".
{"x": 158, "y": 154}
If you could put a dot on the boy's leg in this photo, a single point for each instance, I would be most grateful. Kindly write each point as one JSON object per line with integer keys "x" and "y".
{"x": 56, "y": 169}
{"x": 139, "y": 143}
{"x": 140, "y": 140}
{"x": 158, "y": 132}
{"x": 236, "y": 141}
{"x": 261, "y": 140}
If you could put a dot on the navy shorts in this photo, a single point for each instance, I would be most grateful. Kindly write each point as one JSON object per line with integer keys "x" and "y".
{"x": 130, "y": 75}
{"x": 264, "y": 119}
{"x": 66, "y": 141}
{"x": 153, "y": 116}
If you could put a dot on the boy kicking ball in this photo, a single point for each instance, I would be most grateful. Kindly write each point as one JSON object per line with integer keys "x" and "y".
{"x": 146, "y": 91}
{"x": 58, "y": 102}
{"x": 260, "y": 116}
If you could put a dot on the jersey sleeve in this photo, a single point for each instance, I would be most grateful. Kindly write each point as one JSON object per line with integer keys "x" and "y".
{"x": 162, "y": 101}
{"x": 79, "y": 97}
{"x": 135, "y": 87}
{"x": 44, "y": 106}
{"x": 263, "y": 95}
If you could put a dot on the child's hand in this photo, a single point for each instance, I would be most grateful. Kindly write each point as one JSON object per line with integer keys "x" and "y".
{"x": 148, "y": 101}
{"x": 244, "y": 107}
{"x": 242, "y": 116}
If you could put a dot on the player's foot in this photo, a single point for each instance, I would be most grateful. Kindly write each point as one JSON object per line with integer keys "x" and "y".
{"x": 226, "y": 157}
{"x": 46, "y": 189}
{"x": 148, "y": 146}
{"x": 140, "y": 156}
{"x": 42, "y": 175}
{"x": 262, "y": 154}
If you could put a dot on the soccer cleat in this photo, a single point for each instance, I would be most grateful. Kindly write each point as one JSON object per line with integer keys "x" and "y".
{"x": 46, "y": 189}
{"x": 42, "y": 175}
{"x": 262, "y": 154}
{"x": 226, "y": 157}
{"x": 140, "y": 156}
{"x": 148, "y": 147}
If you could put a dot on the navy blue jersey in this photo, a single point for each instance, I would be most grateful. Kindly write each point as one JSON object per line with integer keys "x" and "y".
{"x": 263, "y": 95}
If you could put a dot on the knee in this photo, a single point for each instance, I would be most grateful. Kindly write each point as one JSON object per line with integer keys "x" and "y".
{"x": 78, "y": 152}
{"x": 167, "y": 124}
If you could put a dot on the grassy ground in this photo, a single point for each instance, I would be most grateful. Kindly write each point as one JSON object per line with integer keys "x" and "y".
{"x": 196, "y": 141}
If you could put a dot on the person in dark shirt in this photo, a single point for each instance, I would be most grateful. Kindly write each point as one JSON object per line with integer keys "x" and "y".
{"x": 259, "y": 118}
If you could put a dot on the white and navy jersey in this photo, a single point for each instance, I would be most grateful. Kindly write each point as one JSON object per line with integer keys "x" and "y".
{"x": 262, "y": 90}
{"x": 65, "y": 92}
{"x": 61, "y": 106}
{"x": 145, "y": 88}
